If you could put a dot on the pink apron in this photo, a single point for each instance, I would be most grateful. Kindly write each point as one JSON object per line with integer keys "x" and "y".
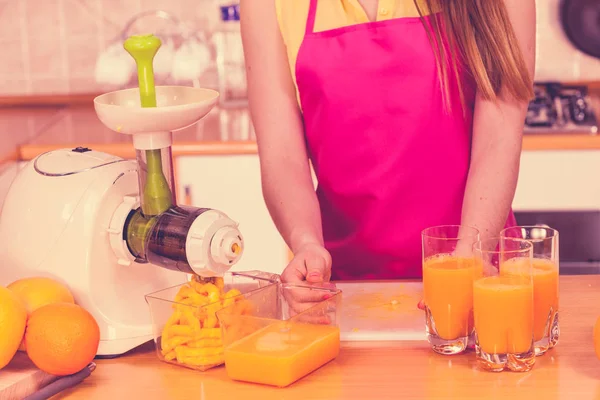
{"x": 389, "y": 160}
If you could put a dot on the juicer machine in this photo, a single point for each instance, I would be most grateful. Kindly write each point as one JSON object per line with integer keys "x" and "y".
{"x": 110, "y": 228}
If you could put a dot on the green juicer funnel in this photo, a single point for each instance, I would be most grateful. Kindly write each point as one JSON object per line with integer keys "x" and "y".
{"x": 195, "y": 240}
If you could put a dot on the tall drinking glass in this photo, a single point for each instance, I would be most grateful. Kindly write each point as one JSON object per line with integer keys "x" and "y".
{"x": 449, "y": 269}
{"x": 503, "y": 305}
{"x": 545, "y": 282}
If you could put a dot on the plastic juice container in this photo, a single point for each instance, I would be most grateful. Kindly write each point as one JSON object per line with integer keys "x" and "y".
{"x": 448, "y": 293}
{"x": 282, "y": 341}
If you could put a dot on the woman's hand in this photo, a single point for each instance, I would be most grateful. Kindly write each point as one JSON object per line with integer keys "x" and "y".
{"x": 311, "y": 265}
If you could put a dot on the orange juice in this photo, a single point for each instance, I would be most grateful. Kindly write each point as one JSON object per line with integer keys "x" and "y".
{"x": 448, "y": 293}
{"x": 281, "y": 353}
{"x": 503, "y": 308}
{"x": 545, "y": 289}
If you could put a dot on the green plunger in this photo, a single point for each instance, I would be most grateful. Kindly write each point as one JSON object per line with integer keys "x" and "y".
{"x": 157, "y": 196}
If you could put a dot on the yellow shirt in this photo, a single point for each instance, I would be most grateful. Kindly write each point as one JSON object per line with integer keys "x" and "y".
{"x": 331, "y": 14}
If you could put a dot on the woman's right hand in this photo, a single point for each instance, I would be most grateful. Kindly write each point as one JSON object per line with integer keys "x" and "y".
{"x": 311, "y": 265}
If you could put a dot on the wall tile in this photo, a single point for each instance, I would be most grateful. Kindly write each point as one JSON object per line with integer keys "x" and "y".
{"x": 558, "y": 59}
{"x": 43, "y": 19}
{"x": 118, "y": 12}
{"x": 46, "y": 58}
{"x": 51, "y": 46}
{"x": 82, "y": 51}
{"x": 9, "y": 25}
{"x": 82, "y": 18}
{"x": 11, "y": 86}
{"x": 85, "y": 85}
{"x": 12, "y": 67}
{"x": 49, "y": 85}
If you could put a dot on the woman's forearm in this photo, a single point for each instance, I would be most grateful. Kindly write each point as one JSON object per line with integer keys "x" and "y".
{"x": 491, "y": 187}
{"x": 293, "y": 206}
{"x": 286, "y": 179}
{"x": 497, "y": 139}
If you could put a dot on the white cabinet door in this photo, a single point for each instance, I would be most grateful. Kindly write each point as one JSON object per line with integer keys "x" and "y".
{"x": 232, "y": 184}
{"x": 558, "y": 180}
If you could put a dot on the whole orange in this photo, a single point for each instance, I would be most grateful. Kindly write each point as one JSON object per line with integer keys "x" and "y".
{"x": 13, "y": 316}
{"x": 39, "y": 291}
{"x": 61, "y": 338}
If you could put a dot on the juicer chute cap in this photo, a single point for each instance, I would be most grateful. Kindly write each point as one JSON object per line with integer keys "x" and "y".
{"x": 213, "y": 257}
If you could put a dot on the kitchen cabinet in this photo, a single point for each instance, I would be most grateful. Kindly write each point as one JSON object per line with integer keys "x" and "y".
{"x": 559, "y": 188}
{"x": 232, "y": 184}
{"x": 560, "y": 180}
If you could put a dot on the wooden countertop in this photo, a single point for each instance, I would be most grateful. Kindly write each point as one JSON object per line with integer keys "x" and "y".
{"x": 400, "y": 370}
{"x": 47, "y": 127}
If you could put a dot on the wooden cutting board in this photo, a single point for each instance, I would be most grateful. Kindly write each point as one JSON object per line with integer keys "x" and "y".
{"x": 381, "y": 311}
{"x": 21, "y": 378}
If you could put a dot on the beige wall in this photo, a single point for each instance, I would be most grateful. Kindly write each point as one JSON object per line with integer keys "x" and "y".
{"x": 50, "y": 46}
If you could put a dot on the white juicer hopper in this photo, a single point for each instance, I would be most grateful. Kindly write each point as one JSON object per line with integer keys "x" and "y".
{"x": 177, "y": 107}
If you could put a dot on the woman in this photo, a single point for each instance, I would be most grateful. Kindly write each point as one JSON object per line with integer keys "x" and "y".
{"x": 411, "y": 114}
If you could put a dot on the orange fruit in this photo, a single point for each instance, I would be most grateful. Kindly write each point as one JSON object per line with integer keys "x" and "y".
{"x": 13, "y": 317}
{"x": 39, "y": 291}
{"x": 61, "y": 338}
{"x": 597, "y": 338}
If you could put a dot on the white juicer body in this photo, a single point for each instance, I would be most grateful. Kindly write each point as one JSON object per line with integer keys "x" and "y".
{"x": 55, "y": 223}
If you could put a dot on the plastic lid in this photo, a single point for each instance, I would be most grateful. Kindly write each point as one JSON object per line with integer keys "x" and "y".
{"x": 214, "y": 244}
{"x": 71, "y": 161}
{"x": 230, "y": 12}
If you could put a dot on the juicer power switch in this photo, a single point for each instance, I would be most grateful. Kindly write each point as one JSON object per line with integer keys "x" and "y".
{"x": 81, "y": 150}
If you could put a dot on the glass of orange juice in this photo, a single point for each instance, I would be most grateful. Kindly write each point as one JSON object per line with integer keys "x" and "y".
{"x": 545, "y": 282}
{"x": 449, "y": 269}
{"x": 503, "y": 305}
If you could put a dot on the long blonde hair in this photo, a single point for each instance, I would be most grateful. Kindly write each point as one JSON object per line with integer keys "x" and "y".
{"x": 481, "y": 31}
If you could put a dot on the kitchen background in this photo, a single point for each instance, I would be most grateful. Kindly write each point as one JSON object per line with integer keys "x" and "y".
{"x": 67, "y": 51}
{"x": 54, "y": 46}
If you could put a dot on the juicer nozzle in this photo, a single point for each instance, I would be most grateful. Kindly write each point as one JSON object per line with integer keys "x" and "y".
{"x": 198, "y": 241}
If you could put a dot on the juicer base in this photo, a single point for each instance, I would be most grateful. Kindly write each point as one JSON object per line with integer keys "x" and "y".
{"x": 118, "y": 347}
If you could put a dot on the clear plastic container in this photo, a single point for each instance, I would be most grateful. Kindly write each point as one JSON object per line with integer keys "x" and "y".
{"x": 185, "y": 327}
{"x": 287, "y": 332}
